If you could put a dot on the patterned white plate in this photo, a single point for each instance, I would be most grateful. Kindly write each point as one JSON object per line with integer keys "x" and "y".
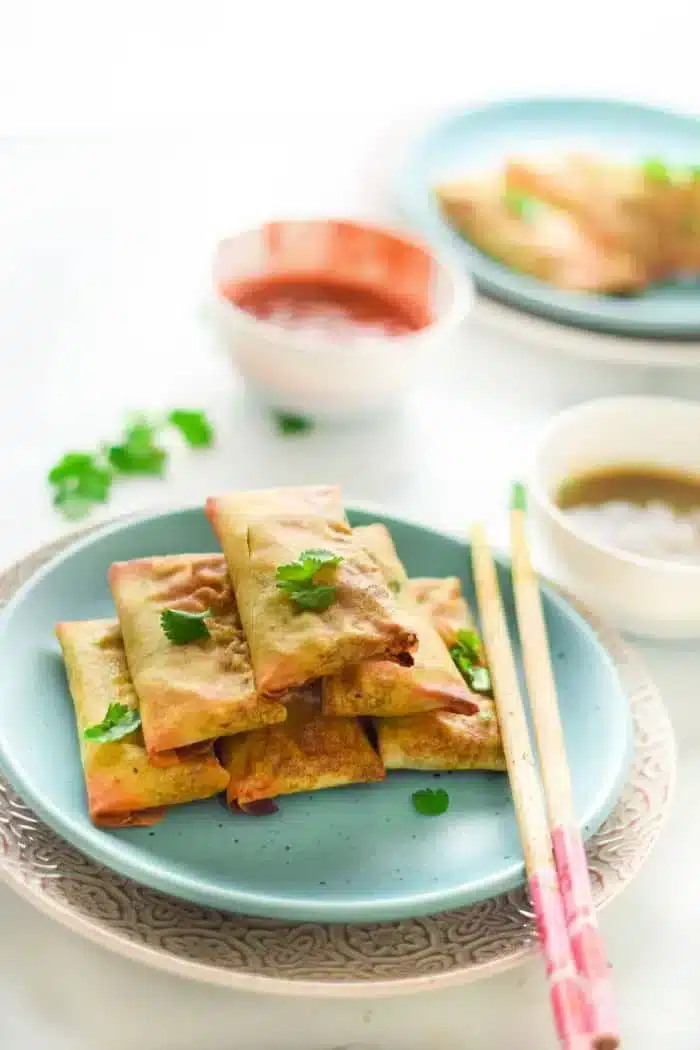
{"x": 322, "y": 960}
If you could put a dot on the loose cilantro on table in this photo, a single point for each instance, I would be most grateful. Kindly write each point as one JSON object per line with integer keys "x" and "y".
{"x": 118, "y": 722}
{"x": 82, "y": 479}
{"x": 79, "y": 481}
{"x": 194, "y": 427}
{"x": 467, "y": 655}
{"x": 181, "y": 627}
{"x": 298, "y": 579}
{"x": 288, "y": 423}
{"x": 139, "y": 452}
{"x": 431, "y": 803}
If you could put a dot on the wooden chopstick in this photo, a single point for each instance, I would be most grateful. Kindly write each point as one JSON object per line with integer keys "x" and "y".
{"x": 570, "y": 856}
{"x": 569, "y": 998}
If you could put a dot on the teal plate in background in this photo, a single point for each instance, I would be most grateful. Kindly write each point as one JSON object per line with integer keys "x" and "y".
{"x": 483, "y": 138}
{"x": 353, "y": 854}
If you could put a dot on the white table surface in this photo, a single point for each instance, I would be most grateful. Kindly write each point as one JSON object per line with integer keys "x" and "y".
{"x": 105, "y": 240}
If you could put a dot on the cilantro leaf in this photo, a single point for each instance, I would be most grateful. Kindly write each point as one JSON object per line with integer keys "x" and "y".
{"x": 297, "y": 579}
{"x": 194, "y": 427}
{"x": 318, "y": 597}
{"x": 79, "y": 481}
{"x": 467, "y": 655}
{"x": 470, "y": 643}
{"x": 431, "y": 803}
{"x": 181, "y": 627}
{"x": 479, "y": 679}
{"x": 656, "y": 171}
{"x": 520, "y": 204}
{"x": 118, "y": 722}
{"x": 394, "y": 586}
{"x": 307, "y": 565}
{"x": 138, "y": 453}
{"x": 316, "y": 558}
{"x": 289, "y": 423}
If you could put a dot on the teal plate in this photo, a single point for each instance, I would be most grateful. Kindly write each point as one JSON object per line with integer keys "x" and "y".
{"x": 483, "y": 138}
{"x": 353, "y": 854}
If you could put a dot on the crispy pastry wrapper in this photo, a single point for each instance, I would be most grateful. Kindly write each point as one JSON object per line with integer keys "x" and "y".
{"x": 123, "y": 787}
{"x": 443, "y": 740}
{"x": 381, "y": 688}
{"x": 198, "y": 691}
{"x": 260, "y": 531}
{"x": 308, "y": 752}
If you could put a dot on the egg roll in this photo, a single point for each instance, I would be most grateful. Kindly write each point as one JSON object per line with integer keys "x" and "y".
{"x": 443, "y": 740}
{"x": 653, "y": 215}
{"x": 123, "y": 788}
{"x": 187, "y": 692}
{"x": 308, "y": 752}
{"x": 262, "y": 531}
{"x": 382, "y": 688}
{"x": 531, "y": 236}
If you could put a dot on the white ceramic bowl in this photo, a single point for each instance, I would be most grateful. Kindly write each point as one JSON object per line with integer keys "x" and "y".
{"x": 643, "y": 595}
{"x": 300, "y": 372}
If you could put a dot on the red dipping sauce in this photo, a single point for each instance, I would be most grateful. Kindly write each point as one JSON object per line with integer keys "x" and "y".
{"x": 328, "y": 307}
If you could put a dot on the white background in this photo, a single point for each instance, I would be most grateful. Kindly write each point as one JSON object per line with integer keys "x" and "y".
{"x": 134, "y": 135}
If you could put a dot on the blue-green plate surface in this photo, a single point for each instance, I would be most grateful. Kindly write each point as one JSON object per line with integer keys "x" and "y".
{"x": 481, "y": 139}
{"x": 350, "y": 854}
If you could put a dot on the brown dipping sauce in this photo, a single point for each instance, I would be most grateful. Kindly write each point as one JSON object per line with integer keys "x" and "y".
{"x": 327, "y": 307}
{"x": 644, "y": 510}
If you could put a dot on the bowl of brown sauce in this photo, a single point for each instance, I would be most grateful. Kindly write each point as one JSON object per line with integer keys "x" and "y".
{"x": 615, "y": 488}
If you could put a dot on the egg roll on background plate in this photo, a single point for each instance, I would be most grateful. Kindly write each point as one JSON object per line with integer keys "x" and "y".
{"x": 443, "y": 740}
{"x": 193, "y": 692}
{"x": 123, "y": 788}
{"x": 545, "y": 242}
{"x": 290, "y": 646}
{"x": 306, "y": 753}
{"x": 612, "y": 202}
{"x": 382, "y": 688}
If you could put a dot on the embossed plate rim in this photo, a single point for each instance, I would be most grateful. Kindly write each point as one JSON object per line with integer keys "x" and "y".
{"x": 19, "y": 875}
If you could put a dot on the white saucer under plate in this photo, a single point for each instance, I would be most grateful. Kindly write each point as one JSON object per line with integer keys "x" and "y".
{"x": 331, "y": 961}
{"x": 584, "y": 343}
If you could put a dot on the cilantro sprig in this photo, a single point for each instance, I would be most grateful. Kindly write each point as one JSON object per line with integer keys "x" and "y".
{"x": 118, "y": 722}
{"x": 181, "y": 627}
{"x": 79, "y": 480}
{"x": 298, "y": 579}
{"x": 431, "y": 803}
{"x": 467, "y": 655}
{"x": 82, "y": 479}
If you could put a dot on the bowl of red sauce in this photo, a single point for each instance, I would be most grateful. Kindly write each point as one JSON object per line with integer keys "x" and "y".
{"x": 334, "y": 317}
